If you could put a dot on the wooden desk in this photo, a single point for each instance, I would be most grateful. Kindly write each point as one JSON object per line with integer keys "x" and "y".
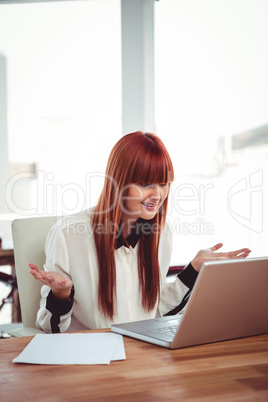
{"x": 235, "y": 370}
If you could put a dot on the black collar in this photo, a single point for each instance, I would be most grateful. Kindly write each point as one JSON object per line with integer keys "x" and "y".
{"x": 134, "y": 236}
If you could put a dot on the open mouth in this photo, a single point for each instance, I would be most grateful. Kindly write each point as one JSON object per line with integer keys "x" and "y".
{"x": 149, "y": 205}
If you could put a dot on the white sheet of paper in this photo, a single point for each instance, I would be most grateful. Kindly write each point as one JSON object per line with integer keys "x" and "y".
{"x": 73, "y": 349}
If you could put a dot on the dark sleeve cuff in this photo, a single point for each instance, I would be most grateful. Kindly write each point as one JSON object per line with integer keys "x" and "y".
{"x": 188, "y": 276}
{"x": 59, "y": 307}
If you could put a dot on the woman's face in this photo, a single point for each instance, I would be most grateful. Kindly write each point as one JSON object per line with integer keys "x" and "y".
{"x": 143, "y": 200}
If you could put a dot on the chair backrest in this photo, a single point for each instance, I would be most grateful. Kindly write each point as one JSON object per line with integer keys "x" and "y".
{"x": 29, "y": 236}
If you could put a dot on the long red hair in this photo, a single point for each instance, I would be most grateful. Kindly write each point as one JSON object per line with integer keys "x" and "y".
{"x": 136, "y": 158}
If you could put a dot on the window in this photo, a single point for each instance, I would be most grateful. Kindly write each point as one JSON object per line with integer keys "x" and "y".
{"x": 63, "y": 63}
{"x": 211, "y": 64}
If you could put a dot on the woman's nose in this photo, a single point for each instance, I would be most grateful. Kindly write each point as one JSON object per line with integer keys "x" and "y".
{"x": 156, "y": 191}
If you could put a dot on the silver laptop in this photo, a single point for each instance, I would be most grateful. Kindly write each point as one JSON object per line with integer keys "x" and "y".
{"x": 229, "y": 300}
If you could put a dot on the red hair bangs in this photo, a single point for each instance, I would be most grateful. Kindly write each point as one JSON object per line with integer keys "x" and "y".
{"x": 153, "y": 166}
{"x": 141, "y": 158}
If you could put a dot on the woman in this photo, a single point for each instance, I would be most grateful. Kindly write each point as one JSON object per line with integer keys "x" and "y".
{"x": 108, "y": 264}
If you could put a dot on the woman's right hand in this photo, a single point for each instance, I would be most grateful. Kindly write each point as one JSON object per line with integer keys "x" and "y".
{"x": 60, "y": 285}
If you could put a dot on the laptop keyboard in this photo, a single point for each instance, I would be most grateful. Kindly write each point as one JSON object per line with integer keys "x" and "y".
{"x": 167, "y": 330}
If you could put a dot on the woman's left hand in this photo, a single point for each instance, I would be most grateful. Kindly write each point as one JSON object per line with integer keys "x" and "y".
{"x": 210, "y": 254}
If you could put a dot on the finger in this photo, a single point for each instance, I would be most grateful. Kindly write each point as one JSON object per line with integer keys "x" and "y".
{"x": 232, "y": 254}
{"x": 46, "y": 278}
{"x": 216, "y": 247}
{"x": 244, "y": 255}
{"x": 40, "y": 277}
{"x": 35, "y": 274}
{"x": 33, "y": 267}
{"x": 236, "y": 253}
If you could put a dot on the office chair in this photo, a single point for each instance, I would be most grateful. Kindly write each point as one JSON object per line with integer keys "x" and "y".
{"x": 29, "y": 237}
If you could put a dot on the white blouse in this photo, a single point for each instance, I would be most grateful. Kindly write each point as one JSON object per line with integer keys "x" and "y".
{"x": 70, "y": 250}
